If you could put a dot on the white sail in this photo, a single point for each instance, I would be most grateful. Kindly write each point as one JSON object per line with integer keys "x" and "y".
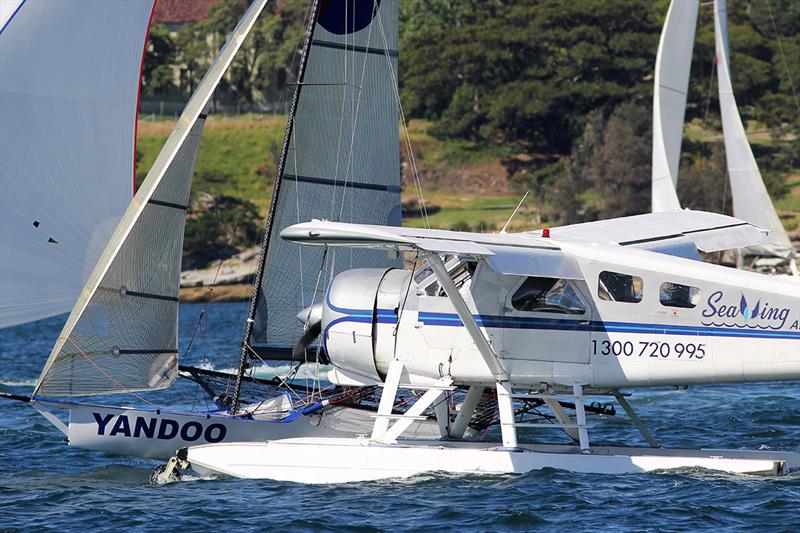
{"x": 69, "y": 80}
{"x": 751, "y": 201}
{"x": 122, "y": 334}
{"x": 673, "y": 64}
{"x": 341, "y": 161}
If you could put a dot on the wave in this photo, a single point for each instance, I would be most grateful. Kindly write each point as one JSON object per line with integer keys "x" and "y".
{"x": 10, "y": 382}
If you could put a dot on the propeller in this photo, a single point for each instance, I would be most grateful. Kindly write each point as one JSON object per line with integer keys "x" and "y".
{"x": 311, "y": 317}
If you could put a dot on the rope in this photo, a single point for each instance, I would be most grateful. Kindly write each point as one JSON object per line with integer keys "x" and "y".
{"x": 203, "y": 310}
{"x": 349, "y": 170}
{"x": 109, "y": 376}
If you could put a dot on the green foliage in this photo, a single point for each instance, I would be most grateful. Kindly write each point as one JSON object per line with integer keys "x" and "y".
{"x": 461, "y": 226}
{"x": 773, "y": 18}
{"x": 528, "y": 74}
{"x": 237, "y": 157}
{"x": 565, "y": 85}
{"x": 612, "y": 158}
{"x": 619, "y": 168}
{"x": 157, "y": 74}
{"x": 703, "y": 184}
{"x": 218, "y": 228}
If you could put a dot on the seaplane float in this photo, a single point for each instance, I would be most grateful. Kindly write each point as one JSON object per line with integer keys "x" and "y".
{"x": 549, "y": 315}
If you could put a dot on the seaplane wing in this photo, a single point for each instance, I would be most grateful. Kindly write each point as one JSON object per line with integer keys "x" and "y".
{"x": 709, "y": 232}
{"x": 525, "y": 254}
{"x": 663, "y": 232}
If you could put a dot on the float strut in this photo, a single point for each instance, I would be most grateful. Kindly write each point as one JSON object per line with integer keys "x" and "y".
{"x": 635, "y": 419}
{"x": 508, "y": 426}
{"x": 580, "y": 414}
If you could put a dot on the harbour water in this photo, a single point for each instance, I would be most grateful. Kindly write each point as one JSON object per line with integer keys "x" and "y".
{"x": 45, "y": 484}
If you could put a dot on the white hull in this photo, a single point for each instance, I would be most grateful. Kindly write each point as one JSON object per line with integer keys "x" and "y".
{"x": 343, "y": 460}
{"x": 157, "y": 434}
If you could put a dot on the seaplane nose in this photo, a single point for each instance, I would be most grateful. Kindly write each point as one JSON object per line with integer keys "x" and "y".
{"x": 349, "y": 318}
{"x": 310, "y": 315}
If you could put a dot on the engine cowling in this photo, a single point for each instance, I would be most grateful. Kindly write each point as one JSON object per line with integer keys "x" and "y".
{"x": 359, "y": 318}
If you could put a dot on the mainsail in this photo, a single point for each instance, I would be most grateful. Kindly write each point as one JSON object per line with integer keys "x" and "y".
{"x": 69, "y": 80}
{"x": 673, "y": 63}
{"x": 340, "y": 161}
{"x": 751, "y": 201}
{"x": 122, "y": 334}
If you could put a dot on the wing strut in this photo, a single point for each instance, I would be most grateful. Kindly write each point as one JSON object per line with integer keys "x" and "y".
{"x": 485, "y": 349}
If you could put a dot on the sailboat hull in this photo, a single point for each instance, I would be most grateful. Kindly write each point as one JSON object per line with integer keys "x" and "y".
{"x": 157, "y": 434}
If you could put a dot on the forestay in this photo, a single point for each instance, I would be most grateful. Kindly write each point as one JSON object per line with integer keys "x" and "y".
{"x": 122, "y": 334}
{"x": 673, "y": 62}
{"x": 751, "y": 201}
{"x": 340, "y": 162}
{"x": 68, "y": 97}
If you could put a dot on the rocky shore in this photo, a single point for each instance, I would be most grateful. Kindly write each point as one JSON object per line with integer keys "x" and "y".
{"x": 228, "y": 281}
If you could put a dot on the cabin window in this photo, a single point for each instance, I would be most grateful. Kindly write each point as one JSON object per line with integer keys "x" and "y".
{"x": 677, "y": 295}
{"x": 547, "y": 295}
{"x": 461, "y": 273}
{"x": 616, "y": 287}
{"x": 423, "y": 273}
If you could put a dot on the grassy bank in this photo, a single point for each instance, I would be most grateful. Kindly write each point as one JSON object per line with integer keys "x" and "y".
{"x": 464, "y": 183}
{"x": 237, "y": 155}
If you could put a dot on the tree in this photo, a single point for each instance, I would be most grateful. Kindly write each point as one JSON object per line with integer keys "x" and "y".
{"x": 157, "y": 74}
{"x": 703, "y": 183}
{"x": 193, "y": 54}
{"x": 529, "y": 74}
{"x": 619, "y": 167}
{"x": 574, "y": 178}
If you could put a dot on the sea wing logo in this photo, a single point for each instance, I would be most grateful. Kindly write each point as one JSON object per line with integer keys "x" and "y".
{"x": 760, "y": 316}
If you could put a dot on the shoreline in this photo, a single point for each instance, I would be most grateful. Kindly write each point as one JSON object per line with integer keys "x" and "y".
{"x": 237, "y": 292}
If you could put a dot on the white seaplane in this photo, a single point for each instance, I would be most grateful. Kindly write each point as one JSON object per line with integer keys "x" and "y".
{"x": 574, "y": 311}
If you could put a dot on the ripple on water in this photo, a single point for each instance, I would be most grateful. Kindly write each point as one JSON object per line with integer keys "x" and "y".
{"x": 45, "y": 484}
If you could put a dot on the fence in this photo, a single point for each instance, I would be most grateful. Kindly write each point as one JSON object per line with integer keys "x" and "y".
{"x": 171, "y": 108}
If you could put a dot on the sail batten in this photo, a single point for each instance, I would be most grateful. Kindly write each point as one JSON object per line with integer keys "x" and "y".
{"x": 122, "y": 335}
{"x": 751, "y": 201}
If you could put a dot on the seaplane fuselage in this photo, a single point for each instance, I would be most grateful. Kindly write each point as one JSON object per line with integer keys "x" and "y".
{"x": 617, "y": 317}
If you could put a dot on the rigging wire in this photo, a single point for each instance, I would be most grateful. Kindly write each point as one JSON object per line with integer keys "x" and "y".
{"x": 349, "y": 170}
{"x": 404, "y": 124}
{"x": 204, "y": 309}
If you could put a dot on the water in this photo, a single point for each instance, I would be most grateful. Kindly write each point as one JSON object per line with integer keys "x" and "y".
{"x": 46, "y": 484}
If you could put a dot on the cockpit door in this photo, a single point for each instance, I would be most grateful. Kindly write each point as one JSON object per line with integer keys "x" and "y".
{"x": 547, "y": 319}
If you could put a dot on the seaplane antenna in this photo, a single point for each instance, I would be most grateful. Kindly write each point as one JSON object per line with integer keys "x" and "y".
{"x": 515, "y": 211}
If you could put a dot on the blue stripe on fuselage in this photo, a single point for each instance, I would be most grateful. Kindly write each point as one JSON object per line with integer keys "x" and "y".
{"x": 388, "y": 316}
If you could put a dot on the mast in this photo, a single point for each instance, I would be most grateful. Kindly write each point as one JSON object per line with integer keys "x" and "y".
{"x": 243, "y": 357}
{"x": 340, "y": 161}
